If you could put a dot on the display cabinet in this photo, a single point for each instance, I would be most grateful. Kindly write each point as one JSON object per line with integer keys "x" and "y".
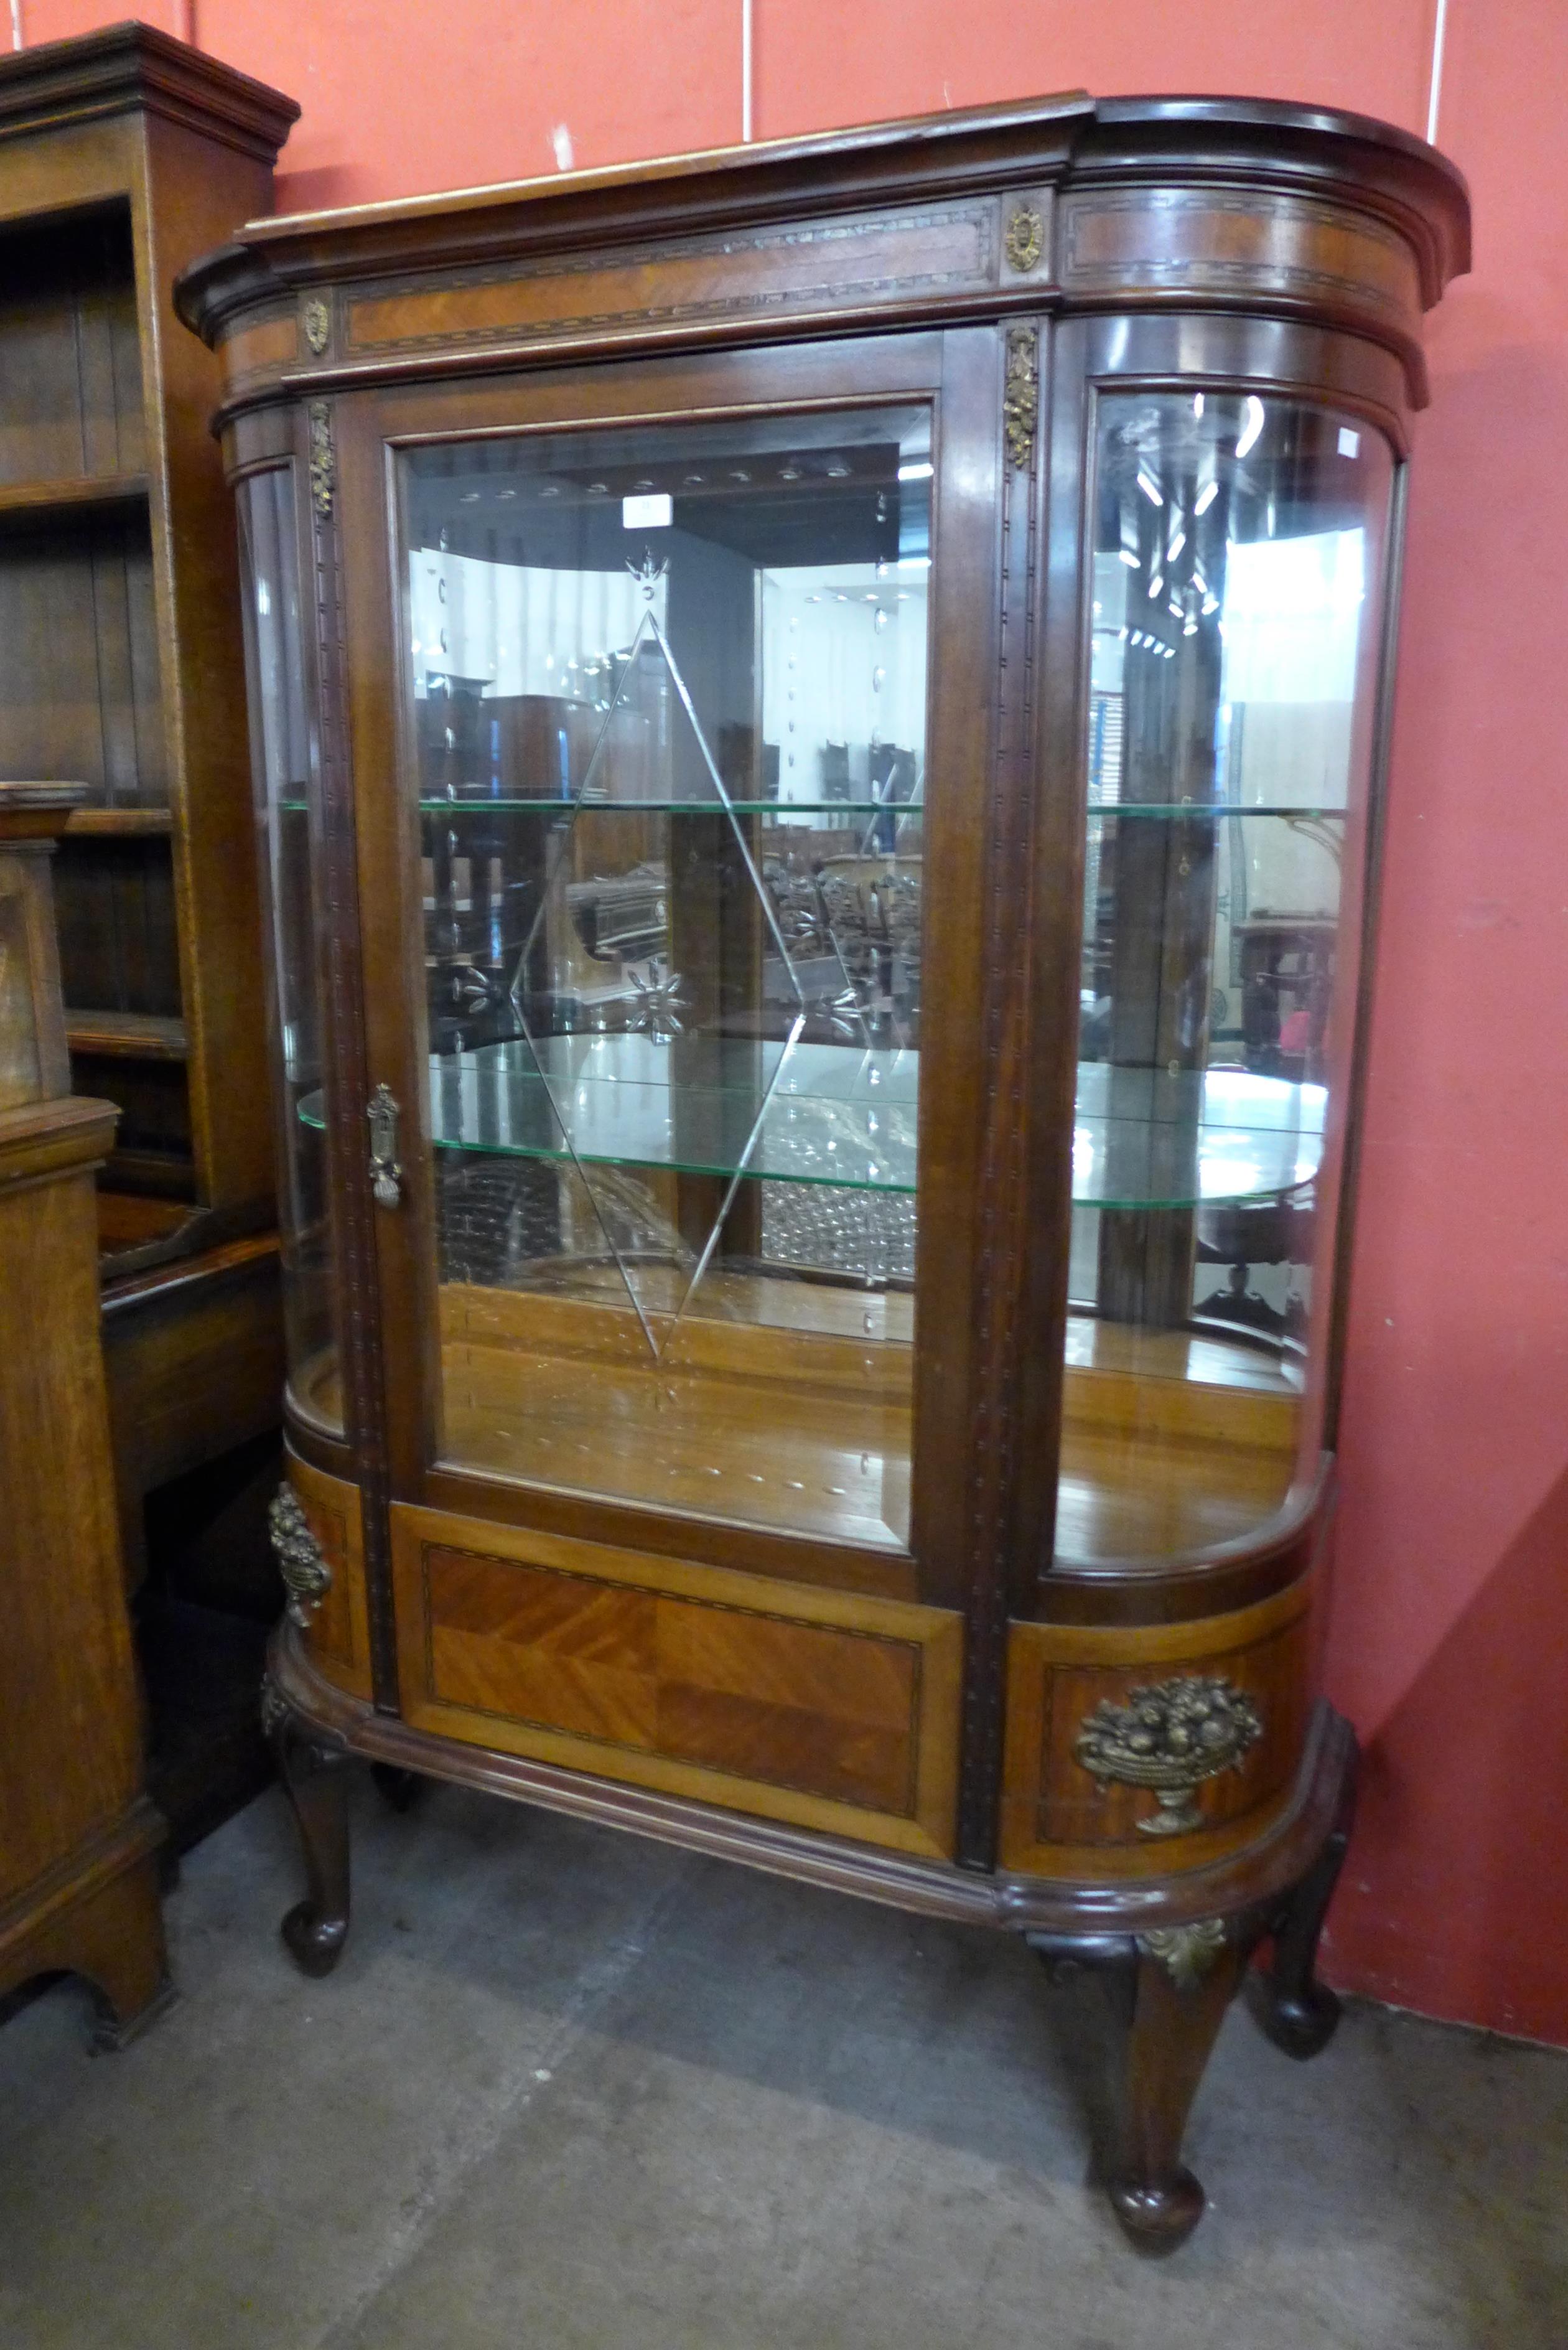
{"x": 817, "y": 715}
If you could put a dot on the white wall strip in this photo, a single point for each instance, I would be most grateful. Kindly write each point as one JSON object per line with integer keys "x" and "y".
{"x": 746, "y": 69}
{"x": 1438, "y": 35}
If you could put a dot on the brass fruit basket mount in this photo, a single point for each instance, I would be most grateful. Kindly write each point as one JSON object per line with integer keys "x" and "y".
{"x": 1170, "y": 1736}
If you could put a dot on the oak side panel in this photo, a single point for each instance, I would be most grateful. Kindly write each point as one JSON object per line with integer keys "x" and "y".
{"x": 86, "y": 163}
{"x": 69, "y": 1740}
{"x": 191, "y": 195}
{"x": 194, "y": 1358}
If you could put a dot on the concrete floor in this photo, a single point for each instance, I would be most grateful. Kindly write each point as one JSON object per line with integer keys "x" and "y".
{"x": 570, "y": 2091}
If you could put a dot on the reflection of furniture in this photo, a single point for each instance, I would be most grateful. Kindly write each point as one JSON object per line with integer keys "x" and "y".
{"x": 949, "y": 1598}
{"x": 1287, "y": 980}
{"x": 78, "y": 1837}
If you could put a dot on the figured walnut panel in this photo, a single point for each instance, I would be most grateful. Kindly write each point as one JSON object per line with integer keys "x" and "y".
{"x": 824, "y": 266}
{"x": 1057, "y": 1821}
{"x": 828, "y": 1708}
{"x": 338, "y": 1637}
{"x": 1249, "y": 247}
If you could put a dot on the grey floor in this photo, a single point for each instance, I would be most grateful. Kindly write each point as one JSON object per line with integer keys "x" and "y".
{"x": 571, "y": 2089}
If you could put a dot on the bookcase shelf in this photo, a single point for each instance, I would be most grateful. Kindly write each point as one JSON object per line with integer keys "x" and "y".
{"x": 131, "y": 1035}
{"x": 70, "y": 496}
{"x": 121, "y": 657}
{"x": 119, "y": 823}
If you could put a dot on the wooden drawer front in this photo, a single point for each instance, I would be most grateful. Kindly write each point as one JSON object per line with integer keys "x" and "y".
{"x": 829, "y": 1709}
{"x": 338, "y": 1637}
{"x": 1059, "y": 1819}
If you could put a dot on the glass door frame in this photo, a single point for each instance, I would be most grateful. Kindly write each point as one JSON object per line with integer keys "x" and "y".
{"x": 955, "y": 371}
{"x": 1113, "y": 356}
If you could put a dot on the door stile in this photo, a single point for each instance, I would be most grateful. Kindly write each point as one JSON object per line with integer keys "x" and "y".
{"x": 1016, "y": 364}
{"x": 1060, "y": 652}
{"x": 346, "y": 1043}
{"x": 401, "y": 1210}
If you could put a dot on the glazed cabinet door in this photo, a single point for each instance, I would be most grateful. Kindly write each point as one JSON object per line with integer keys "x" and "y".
{"x": 291, "y": 857}
{"x": 670, "y": 696}
{"x": 1220, "y": 636}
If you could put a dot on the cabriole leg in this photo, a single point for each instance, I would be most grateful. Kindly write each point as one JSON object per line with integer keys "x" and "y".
{"x": 1169, "y": 1991}
{"x": 1297, "y": 2012}
{"x": 399, "y": 1790}
{"x": 1182, "y": 1985}
{"x": 315, "y": 1776}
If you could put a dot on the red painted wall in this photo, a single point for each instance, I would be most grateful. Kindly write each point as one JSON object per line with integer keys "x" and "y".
{"x": 1450, "y": 1638}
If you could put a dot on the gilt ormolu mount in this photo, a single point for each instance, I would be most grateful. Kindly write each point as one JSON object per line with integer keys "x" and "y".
{"x": 823, "y": 665}
{"x": 1170, "y": 1738}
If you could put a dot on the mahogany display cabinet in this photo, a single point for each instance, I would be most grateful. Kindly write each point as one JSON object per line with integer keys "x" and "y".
{"x": 817, "y": 713}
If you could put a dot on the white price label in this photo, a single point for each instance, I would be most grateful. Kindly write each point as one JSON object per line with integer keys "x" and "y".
{"x": 652, "y": 513}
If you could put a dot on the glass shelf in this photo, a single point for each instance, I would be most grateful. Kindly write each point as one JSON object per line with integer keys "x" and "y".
{"x": 834, "y": 1114}
{"x": 1188, "y": 809}
{"x": 478, "y": 804}
{"x": 828, "y": 1114}
{"x": 1143, "y": 1139}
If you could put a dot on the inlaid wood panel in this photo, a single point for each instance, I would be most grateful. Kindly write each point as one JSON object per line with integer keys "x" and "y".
{"x": 339, "y": 1635}
{"x": 827, "y": 1708}
{"x": 1198, "y": 242}
{"x": 729, "y": 280}
{"x": 1057, "y": 1821}
{"x": 257, "y": 349}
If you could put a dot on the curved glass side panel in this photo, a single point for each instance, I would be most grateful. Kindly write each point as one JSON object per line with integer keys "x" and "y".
{"x": 1236, "y": 614}
{"x": 665, "y": 720}
{"x": 281, "y": 770}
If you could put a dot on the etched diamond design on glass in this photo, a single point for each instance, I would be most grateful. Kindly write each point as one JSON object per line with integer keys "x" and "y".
{"x": 656, "y": 994}
{"x": 862, "y": 921}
